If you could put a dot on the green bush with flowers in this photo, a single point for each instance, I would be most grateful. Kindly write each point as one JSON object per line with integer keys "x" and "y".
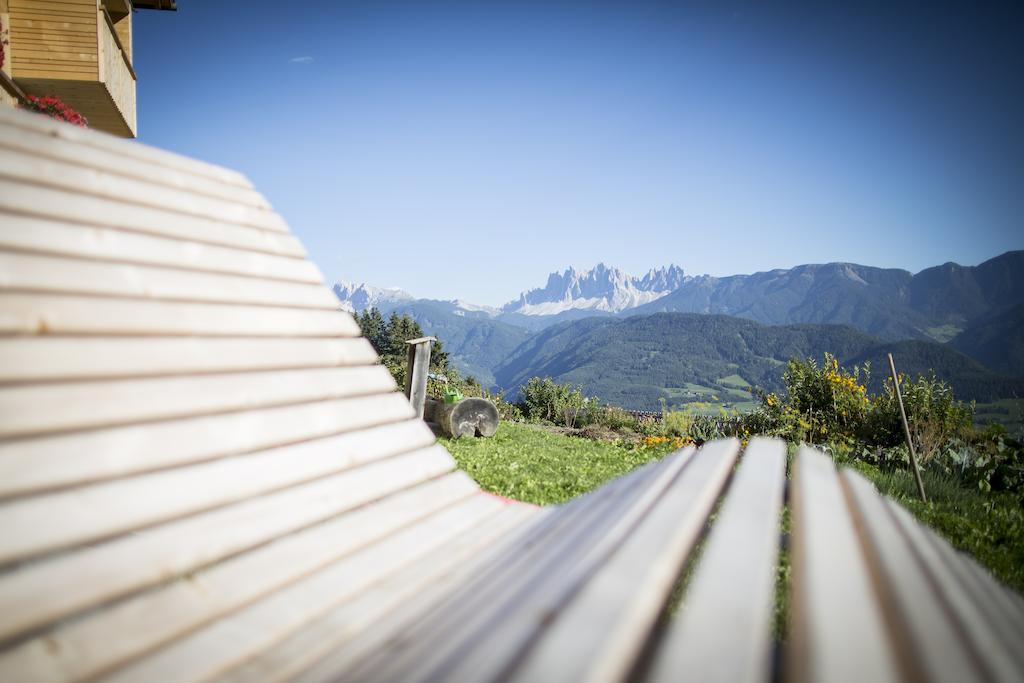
{"x": 828, "y": 405}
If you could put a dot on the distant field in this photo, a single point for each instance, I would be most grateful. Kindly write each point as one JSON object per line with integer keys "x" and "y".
{"x": 731, "y": 394}
{"x": 1008, "y": 412}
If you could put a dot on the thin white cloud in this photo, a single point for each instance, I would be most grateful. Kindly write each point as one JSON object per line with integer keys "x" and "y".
{"x": 301, "y": 60}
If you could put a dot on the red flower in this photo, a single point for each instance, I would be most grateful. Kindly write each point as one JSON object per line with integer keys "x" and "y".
{"x": 54, "y": 108}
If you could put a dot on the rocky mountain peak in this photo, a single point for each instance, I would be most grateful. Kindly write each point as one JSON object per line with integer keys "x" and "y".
{"x": 602, "y": 288}
{"x": 357, "y": 298}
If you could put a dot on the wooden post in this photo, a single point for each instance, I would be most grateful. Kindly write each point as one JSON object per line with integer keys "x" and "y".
{"x": 417, "y": 365}
{"x": 906, "y": 429}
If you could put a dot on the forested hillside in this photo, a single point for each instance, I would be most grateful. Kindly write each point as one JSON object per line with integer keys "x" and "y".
{"x": 685, "y": 357}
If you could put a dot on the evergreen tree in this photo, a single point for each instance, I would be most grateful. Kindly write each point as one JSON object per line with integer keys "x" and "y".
{"x": 372, "y": 326}
{"x": 388, "y": 338}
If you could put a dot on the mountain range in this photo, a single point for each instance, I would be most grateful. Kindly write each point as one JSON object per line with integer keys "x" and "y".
{"x": 977, "y": 311}
{"x": 640, "y": 361}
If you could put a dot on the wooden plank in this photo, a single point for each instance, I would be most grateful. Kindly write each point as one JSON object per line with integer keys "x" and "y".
{"x": 41, "y": 23}
{"x": 52, "y": 56}
{"x": 30, "y": 272}
{"x": 526, "y": 584}
{"x": 81, "y": 8}
{"x": 38, "y": 143}
{"x": 55, "y": 462}
{"x": 980, "y": 630}
{"x": 24, "y": 233}
{"x": 133, "y": 150}
{"x": 54, "y": 407}
{"x": 173, "y": 550}
{"x": 59, "y": 72}
{"x": 84, "y": 648}
{"x": 62, "y": 314}
{"x": 26, "y": 15}
{"x": 831, "y": 577}
{"x": 71, "y": 177}
{"x": 1006, "y": 601}
{"x": 104, "y": 510}
{"x": 226, "y": 643}
{"x": 41, "y": 43}
{"x": 929, "y": 642}
{"x": 56, "y": 5}
{"x": 36, "y": 40}
{"x": 326, "y": 647}
{"x": 64, "y": 358}
{"x": 724, "y": 632}
{"x": 600, "y": 629}
{"x": 59, "y": 205}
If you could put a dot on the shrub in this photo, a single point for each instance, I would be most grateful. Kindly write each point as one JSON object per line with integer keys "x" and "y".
{"x": 563, "y": 404}
{"x": 676, "y": 422}
{"x": 615, "y": 418}
{"x": 935, "y": 417}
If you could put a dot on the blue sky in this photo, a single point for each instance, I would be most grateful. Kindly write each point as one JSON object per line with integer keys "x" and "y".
{"x": 469, "y": 149}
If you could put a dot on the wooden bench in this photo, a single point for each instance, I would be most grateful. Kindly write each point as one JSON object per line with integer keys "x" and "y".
{"x": 204, "y": 474}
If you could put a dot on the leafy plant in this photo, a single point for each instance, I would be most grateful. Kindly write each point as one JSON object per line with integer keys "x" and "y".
{"x": 561, "y": 404}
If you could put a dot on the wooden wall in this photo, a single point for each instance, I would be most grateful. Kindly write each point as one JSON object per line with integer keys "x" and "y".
{"x": 54, "y": 40}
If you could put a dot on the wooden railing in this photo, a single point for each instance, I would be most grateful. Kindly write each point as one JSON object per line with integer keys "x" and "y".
{"x": 116, "y": 71}
{"x": 117, "y": 40}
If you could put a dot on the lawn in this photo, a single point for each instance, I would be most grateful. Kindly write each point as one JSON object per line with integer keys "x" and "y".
{"x": 526, "y": 463}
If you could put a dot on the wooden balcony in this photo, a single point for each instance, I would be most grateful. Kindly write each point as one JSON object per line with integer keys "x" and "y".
{"x": 80, "y": 51}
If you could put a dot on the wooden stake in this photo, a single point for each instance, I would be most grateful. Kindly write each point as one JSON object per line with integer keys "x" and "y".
{"x": 418, "y": 363}
{"x": 906, "y": 429}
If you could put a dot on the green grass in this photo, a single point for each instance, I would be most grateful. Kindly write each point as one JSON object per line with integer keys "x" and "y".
{"x": 531, "y": 465}
{"x": 1008, "y": 412}
{"x": 990, "y": 527}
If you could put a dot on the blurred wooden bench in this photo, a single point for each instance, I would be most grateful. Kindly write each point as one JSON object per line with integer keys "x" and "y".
{"x": 204, "y": 475}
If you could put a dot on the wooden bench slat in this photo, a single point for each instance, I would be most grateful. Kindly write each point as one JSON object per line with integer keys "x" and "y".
{"x": 724, "y": 631}
{"x": 57, "y": 205}
{"x": 53, "y": 462}
{"x": 64, "y": 314}
{"x": 232, "y": 640}
{"x": 157, "y": 617}
{"x": 73, "y": 136}
{"x": 523, "y": 580}
{"x": 31, "y": 272}
{"x": 74, "y": 240}
{"x": 996, "y": 650}
{"x": 24, "y": 359}
{"x": 1006, "y": 600}
{"x": 50, "y": 407}
{"x": 604, "y": 627}
{"x": 325, "y": 648}
{"x": 930, "y": 644}
{"x": 40, "y": 143}
{"x": 831, "y": 577}
{"x": 104, "y": 510}
{"x": 156, "y": 555}
{"x": 73, "y": 178}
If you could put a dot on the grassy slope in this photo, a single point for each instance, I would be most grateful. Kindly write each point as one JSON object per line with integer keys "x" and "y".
{"x": 525, "y": 463}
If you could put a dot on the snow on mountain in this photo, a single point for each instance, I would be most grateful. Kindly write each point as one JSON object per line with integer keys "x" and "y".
{"x": 600, "y": 289}
{"x": 357, "y": 298}
{"x": 464, "y": 307}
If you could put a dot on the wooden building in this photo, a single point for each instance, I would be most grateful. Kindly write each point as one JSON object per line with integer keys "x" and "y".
{"x": 78, "y": 50}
